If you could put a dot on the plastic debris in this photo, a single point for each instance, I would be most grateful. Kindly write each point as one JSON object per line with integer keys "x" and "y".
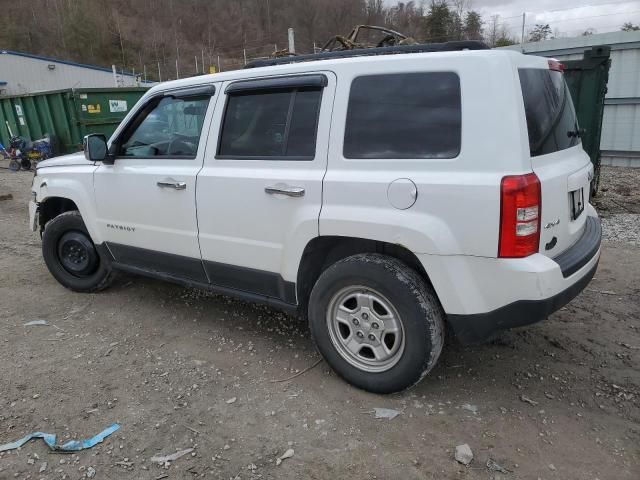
{"x": 36, "y": 322}
{"x": 172, "y": 457}
{"x": 91, "y": 472}
{"x": 464, "y": 455}
{"x": 70, "y": 446}
{"x": 389, "y": 413}
{"x": 288, "y": 454}
{"x": 472, "y": 408}
{"x": 526, "y": 399}
{"x": 495, "y": 467}
{"x": 232, "y": 400}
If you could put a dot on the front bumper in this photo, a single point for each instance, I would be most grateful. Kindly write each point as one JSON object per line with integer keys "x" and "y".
{"x": 498, "y": 294}
{"x": 33, "y": 215}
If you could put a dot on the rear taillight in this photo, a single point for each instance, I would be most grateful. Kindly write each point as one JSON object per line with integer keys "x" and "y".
{"x": 555, "y": 65}
{"x": 520, "y": 210}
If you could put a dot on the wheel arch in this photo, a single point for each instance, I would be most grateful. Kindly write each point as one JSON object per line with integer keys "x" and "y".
{"x": 51, "y": 207}
{"x": 322, "y": 252}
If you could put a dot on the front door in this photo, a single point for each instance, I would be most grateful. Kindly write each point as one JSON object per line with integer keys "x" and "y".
{"x": 259, "y": 193}
{"x": 145, "y": 201}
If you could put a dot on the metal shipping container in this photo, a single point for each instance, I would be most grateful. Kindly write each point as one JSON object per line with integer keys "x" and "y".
{"x": 66, "y": 115}
{"x": 587, "y": 81}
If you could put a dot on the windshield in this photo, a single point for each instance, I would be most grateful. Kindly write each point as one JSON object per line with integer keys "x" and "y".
{"x": 551, "y": 118}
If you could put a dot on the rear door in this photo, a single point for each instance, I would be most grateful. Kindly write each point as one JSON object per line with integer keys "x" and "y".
{"x": 557, "y": 157}
{"x": 259, "y": 193}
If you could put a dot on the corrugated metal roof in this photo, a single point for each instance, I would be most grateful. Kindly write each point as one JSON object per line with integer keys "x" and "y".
{"x": 65, "y": 62}
{"x": 569, "y": 45}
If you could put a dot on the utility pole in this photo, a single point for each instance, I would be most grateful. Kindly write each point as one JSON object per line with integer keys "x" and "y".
{"x": 524, "y": 15}
{"x": 159, "y": 73}
{"x": 202, "y": 54}
{"x": 144, "y": 68}
{"x": 115, "y": 75}
{"x": 268, "y": 18}
{"x": 177, "y": 71}
{"x": 292, "y": 43}
{"x": 244, "y": 54}
{"x": 196, "y": 59}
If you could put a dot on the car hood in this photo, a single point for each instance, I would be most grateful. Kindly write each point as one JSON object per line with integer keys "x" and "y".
{"x": 65, "y": 160}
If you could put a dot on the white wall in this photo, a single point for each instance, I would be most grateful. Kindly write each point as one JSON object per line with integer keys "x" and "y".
{"x": 29, "y": 75}
{"x": 620, "y": 140}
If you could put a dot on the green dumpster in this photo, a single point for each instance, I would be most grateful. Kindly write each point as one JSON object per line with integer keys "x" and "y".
{"x": 66, "y": 115}
{"x": 587, "y": 81}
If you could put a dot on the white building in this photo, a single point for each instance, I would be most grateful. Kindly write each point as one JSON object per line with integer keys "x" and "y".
{"x": 23, "y": 73}
{"x": 620, "y": 141}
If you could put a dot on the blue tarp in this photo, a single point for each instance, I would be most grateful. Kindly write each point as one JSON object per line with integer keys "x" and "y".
{"x": 70, "y": 446}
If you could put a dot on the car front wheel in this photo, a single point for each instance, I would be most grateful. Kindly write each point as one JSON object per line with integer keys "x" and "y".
{"x": 71, "y": 256}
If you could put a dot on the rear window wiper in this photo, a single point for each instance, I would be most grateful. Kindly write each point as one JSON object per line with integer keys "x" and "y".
{"x": 577, "y": 133}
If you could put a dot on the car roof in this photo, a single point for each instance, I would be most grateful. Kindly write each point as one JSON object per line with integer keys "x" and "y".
{"x": 360, "y": 63}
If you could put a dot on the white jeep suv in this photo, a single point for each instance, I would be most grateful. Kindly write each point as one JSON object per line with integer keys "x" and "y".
{"x": 382, "y": 197}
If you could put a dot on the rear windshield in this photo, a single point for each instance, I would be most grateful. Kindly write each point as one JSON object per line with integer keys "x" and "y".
{"x": 551, "y": 118}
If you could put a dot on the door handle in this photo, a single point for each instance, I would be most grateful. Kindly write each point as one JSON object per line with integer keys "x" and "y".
{"x": 285, "y": 190}
{"x": 174, "y": 185}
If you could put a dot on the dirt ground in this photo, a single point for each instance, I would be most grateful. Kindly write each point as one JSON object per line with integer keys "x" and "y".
{"x": 558, "y": 400}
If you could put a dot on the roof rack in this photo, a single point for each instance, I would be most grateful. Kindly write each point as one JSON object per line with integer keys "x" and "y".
{"x": 367, "y": 52}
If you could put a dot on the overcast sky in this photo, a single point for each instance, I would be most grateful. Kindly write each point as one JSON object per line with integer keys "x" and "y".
{"x": 568, "y": 17}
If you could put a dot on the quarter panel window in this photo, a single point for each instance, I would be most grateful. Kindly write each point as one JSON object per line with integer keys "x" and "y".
{"x": 271, "y": 124}
{"x": 169, "y": 127}
{"x": 411, "y": 115}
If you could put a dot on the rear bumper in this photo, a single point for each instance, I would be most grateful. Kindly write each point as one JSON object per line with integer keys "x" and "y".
{"x": 480, "y": 327}
{"x": 482, "y": 296}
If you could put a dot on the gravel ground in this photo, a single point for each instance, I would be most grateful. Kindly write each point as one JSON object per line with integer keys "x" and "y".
{"x": 618, "y": 204}
{"x": 180, "y": 369}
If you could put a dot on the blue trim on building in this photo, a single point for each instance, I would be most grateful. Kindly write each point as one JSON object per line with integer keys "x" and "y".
{"x": 2, "y": 83}
{"x": 64, "y": 62}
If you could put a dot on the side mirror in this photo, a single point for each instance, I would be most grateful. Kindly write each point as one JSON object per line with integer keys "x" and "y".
{"x": 95, "y": 147}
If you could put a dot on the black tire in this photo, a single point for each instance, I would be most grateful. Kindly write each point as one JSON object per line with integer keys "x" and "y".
{"x": 67, "y": 231}
{"x": 419, "y": 310}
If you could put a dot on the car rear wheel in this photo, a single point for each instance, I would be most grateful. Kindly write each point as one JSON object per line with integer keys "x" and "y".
{"x": 71, "y": 256}
{"x": 376, "y": 322}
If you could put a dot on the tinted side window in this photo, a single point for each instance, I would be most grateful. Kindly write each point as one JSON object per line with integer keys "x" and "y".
{"x": 551, "y": 118}
{"x": 169, "y": 127}
{"x": 412, "y": 115}
{"x": 277, "y": 123}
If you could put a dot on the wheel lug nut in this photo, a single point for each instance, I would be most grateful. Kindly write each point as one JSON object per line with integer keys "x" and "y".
{"x": 375, "y": 325}
{"x": 356, "y": 321}
{"x": 360, "y": 334}
{"x": 372, "y": 337}
{"x": 365, "y": 316}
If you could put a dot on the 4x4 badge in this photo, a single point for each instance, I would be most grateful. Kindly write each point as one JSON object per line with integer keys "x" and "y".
{"x": 552, "y": 224}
